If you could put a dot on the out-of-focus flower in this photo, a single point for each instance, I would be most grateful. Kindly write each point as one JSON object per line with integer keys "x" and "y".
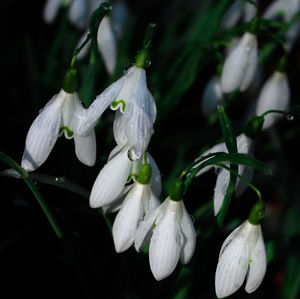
{"x": 245, "y": 145}
{"x": 275, "y": 94}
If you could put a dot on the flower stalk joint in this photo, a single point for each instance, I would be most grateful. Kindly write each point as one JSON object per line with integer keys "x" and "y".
{"x": 70, "y": 81}
{"x": 257, "y": 213}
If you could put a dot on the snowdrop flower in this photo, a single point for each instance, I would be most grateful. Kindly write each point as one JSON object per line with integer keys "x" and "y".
{"x": 109, "y": 185}
{"x": 56, "y": 118}
{"x": 240, "y": 65}
{"x": 275, "y": 94}
{"x": 286, "y": 8}
{"x": 138, "y": 202}
{"x": 51, "y": 9}
{"x": 212, "y": 96}
{"x": 242, "y": 257}
{"x": 170, "y": 232}
{"x": 131, "y": 96}
{"x": 245, "y": 145}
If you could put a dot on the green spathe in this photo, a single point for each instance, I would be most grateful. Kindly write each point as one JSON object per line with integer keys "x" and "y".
{"x": 177, "y": 190}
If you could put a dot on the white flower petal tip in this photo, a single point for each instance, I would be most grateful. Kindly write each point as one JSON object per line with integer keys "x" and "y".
{"x": 240, "y": 65}
{"x": 212, "y": 96}
{"x": 242, "y": 252}
{"x": 171, "y": 234}
{"x": 107, "y": 44}
{"x": 111, "y": 180}
{"x": 275, "y": 94}
{"x": 50, "y": 10}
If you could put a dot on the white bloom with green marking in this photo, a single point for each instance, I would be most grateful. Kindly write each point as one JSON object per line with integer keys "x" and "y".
{"x": 56, "y": 118}
{"x": 170, "y": 231}
{"x": 242, "y": 257}
{"x": 132, "y": 98}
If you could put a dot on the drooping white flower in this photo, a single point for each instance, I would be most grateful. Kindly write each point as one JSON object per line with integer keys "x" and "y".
{"x": 242, "y": 257}
{"x": 240, "y": 65}
{"x": 131, "y": 95}
{"x": 109, "y": 187}
{"x": 212, "y": 96}
{"x": 139, "y": 201}
{"x": 50, "y": 10}
{"x": 78, "y": 13}
{"x": 171, "y": 234}
{"x": 245, "y": 145}
{"x": 275, "y": 94}
{"x": 285, "y": 8}
{"x": 56, "y": 118}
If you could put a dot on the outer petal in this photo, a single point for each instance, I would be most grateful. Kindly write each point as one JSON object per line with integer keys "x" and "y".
{"x": 85, "y": 148}
{"x": 111, "y": 180}
{"x": 275, "y": 94}
{"x": 232, "y": 267}
{"x": 155, "y": 180}
{"x": 138, "y": 128}
{"x": 229, "y": 239}
{"x": 212, "y": 96}
{"x": 118, "y": 128}
{"x": 86, "y": 121}
{"x": 152, "y": 203}
{"x": 236, "y": 64}
{"x": 42, "y": 134}
{"x": 166, "y": 242}
{"x": 258, "y": 264}
{"x": 85, "y": 50}
{"x": 252, "y": 63}
{"x": 232, "y": 15}
{"x": 144, "y": 231}
{"x": 78, "y": 13}
{"x": 249, "y": 11}
{"x": 129, "y": 216}
{"x": 107, "y": 44}
{"x": 273, "y": 10}
{"x": 221, "y": 147}
{"x": 220, "y": 189}
{"x": 50, "y": 10}
{"x": 189, "y": 236}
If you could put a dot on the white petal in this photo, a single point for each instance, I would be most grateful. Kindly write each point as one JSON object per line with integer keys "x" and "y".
{"x": 118, "y": 128}
{"x": 107, "y": 44}
{"x": 249, "y": 11}
{"x": 220, "y": 147}
{"x": 189, "y": 236}
{"x": 292, "y": 35}
{"x": 88, "y": 120}
{"x": 273, "y": 9}
{"x": 232, "y": 15}
{"x": 152, "y": 203}
{"x": 50, "y": 10}
{"x": 42, "y": 134}
{"x": 258, "y": 264}
{"x": 71, "y": 103}
{"x": 114, "y": 152}
{"x": 116, "y": 205}
{"x": 237, "y": 69}
{"x": 78, "y": 13}
{"x": 138, "y": 128}
{"x": 275, "y": 94}
{"x": 129, "y": 216}
{"x": 144, "y": 231}
{"x": 155, "y": 180}
{"x": 252, "y": 63}
{"x": 220, "y": 189}
{"x": 85, "y": 148}
{"x": 111, "y": 180}
{"x": 165, "y": 246}
{"x": 232, "y": 267}
{"x": 241, "y": 187}
{"x": 229, "y": 239}
{"x": 212, "y": 96}
{"x": 119, "y": 14}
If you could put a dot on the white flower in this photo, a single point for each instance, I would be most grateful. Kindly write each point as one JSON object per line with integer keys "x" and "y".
{"x": 131, "y": 95}
{"x": 56, "y": 118}
{"x": 245, "y": 145}
{"x": 78, "y": 13}
{"x": 275, "y": 94}
{"x": 242, "y": 256}
{"x": 139, "y": 201}
{"x": 171, "y": 234}
{"x": 239, "y": 67}
{"x": 109, "y": 187}
{"x": 212, "y": 96}
{"x": 287, "y": 8}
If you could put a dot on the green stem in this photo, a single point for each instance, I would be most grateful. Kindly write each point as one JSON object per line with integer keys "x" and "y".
{"x": 78, "y": 50}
